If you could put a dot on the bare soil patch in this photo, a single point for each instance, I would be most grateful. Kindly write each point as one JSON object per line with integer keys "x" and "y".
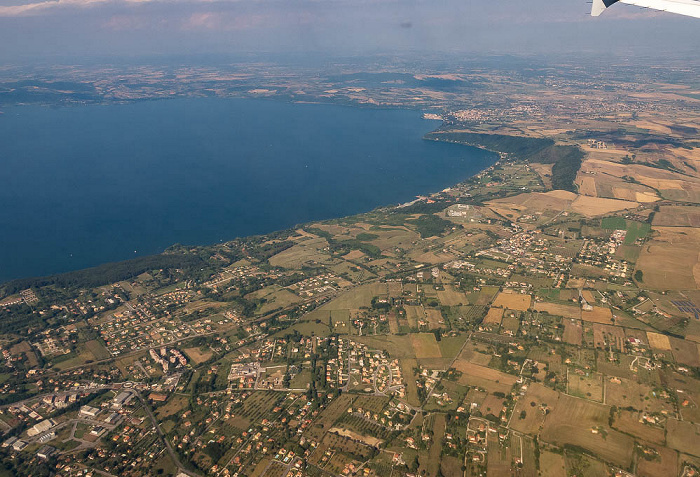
{"x": 425, "y": 346}
{"x": 513, "y": 301}
{"x": 567, "y": 311}
{"x": 490, "y": 379}
{"x": 669, "y": 261}
{"x": 597, "y": 315}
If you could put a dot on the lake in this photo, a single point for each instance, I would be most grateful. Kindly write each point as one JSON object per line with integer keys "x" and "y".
{"x": 90, "y": 184}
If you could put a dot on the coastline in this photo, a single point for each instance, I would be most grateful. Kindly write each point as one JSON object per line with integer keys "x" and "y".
{"x": 203, "y": 244}
{"x": 27, "y": 282}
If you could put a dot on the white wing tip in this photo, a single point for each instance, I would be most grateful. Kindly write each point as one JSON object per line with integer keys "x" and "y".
{"x": 598, "y": 8}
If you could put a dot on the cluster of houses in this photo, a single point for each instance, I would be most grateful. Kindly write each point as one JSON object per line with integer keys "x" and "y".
{"x": 244, "y": 375}
{"x": 315, "y": 285}
{"x": 602, "y": 254}
{"x": 166, "y": 357}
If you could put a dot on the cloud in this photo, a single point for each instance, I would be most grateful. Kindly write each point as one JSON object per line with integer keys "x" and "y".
{"x": 510, "y": 10}
{"x": 127, "y": 22}
{"x": 38, "y": 8}
{"x": 222, "y": 21}
{"x": 47, "y": 6}
{"x": 79, "y": 28}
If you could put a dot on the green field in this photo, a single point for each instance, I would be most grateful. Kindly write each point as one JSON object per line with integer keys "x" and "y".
{"x": 450, "y": 345}
{"x": 306, "y": 328}
{"x": 274, "y": 297}
{"x": 97, "y": 350}
{"x": 634, "y": 229}
{"x": 356, "y": 297}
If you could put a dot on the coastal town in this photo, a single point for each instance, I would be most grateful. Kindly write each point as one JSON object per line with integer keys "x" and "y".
{"x": 541, "y": 318}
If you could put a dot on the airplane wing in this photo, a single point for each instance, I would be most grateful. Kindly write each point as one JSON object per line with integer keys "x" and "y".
{"x": 690, "y": 8}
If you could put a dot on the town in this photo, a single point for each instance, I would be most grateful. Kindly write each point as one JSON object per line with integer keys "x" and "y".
{"x": 538, "y": 319}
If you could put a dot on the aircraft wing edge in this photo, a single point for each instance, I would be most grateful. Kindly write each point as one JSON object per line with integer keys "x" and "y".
{"x": 599, "y": 6}
{"x": 682, "y": 7}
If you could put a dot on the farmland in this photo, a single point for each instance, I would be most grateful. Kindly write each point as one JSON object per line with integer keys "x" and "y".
{"x": 583, "y": 423}
{"x": 512, "y": 301}
{"x": 671, "y": 267}
{"x": 566, "y": 311}
{"x": 538, "y": 318}
{"x": 481, "y": 376}
{"x": 425, "y": 346}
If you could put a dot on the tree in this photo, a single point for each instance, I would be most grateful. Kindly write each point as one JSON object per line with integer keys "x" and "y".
{"x": 415, "y": 464}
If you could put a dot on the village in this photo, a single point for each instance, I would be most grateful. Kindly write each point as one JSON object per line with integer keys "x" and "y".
{"x": 537, "y": 319}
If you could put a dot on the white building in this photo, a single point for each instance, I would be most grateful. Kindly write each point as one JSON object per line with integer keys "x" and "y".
{"x": 40, "y": 427}
{"x": 89, "y": 412}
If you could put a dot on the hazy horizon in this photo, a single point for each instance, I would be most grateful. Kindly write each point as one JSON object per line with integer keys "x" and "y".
{"x": 40, "y": 30}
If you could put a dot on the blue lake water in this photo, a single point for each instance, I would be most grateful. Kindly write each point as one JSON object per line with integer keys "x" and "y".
{"x": 91, "y": 184}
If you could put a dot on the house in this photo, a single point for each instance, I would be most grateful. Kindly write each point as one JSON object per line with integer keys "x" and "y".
{"x": 45, "y": 452}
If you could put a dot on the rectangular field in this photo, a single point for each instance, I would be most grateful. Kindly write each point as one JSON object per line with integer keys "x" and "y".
{"x": 436, "y": 448}
{"x": 683, "y": 436}
{"x": 528, "y": 418}
{"x": 664, "y": 463}
{"x": 587, "y": 387}
{"x": 398, "y": 346}
{"x": 513, "y": 301}
{"x": 685, "y": 352}
{"x": 585, "y": 424}
{"x": 413, "y": 315}
{"x": 425, "y": 345}
{"x": 407, "y": 366}
{"x": 434, "y": 317}
{"x": 357, "y": 297}
{"x": 606, "y": 335}
{"x": 629, "y": 423}
{"x": 97, "y": 350}
{"x": 669, "y": 261}
{"x": 677, "y": 216}
{"x": 598, "y": 314}
{"x": 486, "y": 295}
{"x": 326, "y": 419}
{"x": 567, "y": 311}
{"x": 305, "y": 251}
{"x": 490, "y": 379}
{"x": 573, "y": 332}
{"x": 451, "y": 297}
{"x": 494, "y": 316}
{"x": 510, "y": 325}
{"x": 658, "y": 341}
{"x": 552, "y": 465}
{"x": 275, "y": 297}
{"x": 197, "y": 355}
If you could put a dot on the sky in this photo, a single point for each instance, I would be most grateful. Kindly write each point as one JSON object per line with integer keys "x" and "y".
{"x": 40, "y": 29}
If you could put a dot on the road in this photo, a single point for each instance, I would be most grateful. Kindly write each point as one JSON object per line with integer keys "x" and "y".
{"x": 389, "y": 389}
{"x": 173, "y": 454}
{"x": 430, "y": 391}
{"x": 146, "y": 348}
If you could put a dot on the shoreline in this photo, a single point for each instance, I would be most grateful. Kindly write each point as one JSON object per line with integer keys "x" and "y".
{"x": 197, "y": 245}
{"x": 166, "y": 252}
